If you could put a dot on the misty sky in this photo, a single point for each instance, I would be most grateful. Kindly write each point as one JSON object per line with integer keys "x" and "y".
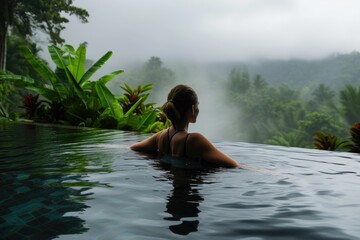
{"x": 217, "y": 30}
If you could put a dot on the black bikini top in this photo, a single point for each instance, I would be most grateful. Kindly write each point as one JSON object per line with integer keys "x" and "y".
{"x": 169, "y": 143}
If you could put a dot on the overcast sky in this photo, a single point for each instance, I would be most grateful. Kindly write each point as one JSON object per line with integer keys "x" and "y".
{"x": 218, "y": 30}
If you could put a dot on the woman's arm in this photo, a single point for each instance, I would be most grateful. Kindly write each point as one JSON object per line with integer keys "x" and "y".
{"x": 202, "y": 147}
{"x": 148, "y": 145}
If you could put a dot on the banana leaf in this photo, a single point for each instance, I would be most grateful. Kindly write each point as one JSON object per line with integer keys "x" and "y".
{"x": 129, "y": 122}
{"x": 17, "y": 79}
{"x": 45, "y": 92}
{"x": 86, "y": 77}
{"x": 107, "y": 78}
{"x": 147, "y": 120}
{"x": 41, "y": 67}
{"x": 108, "y": 100}
{"x": 77, "y": 62}
{"x": 55, "y": 53}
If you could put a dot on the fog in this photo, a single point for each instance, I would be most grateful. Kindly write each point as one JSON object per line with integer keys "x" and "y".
{"x": 209, "y": 30}
{"x": 214, "y": 31}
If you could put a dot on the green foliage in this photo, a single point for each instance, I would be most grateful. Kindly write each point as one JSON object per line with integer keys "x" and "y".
{"x": 15, "y": 62}
{"x": 144, "y": 117}
{"x": 31, "y": 104}
{"x": 3, "y": 112}
{"x": 72, "y": 97}
{"x": 293, "y": 138}
{"x": 328, "y": 141}
{"x": 281, "y": 116}
{"x": 47, "y": 16}
{"x": 239, "y": 81}
{"x": 266, "y": 111}
{"x": 259, "y": 82}
{"x": 26, "y": 17}
{"x": 155, "y": 73}
{"x": 350, "y": 101}
{"x": 354, "y": 146}
{"x": 323, "y": 94}
{"x": 8, "y": 97}
{"x": 315, "y": 121}
{"x": 5, "y": 90}
{"x": 131, "y": 96}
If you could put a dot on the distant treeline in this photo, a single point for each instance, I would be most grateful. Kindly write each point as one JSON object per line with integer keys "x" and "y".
{"x": 335, "y": 71}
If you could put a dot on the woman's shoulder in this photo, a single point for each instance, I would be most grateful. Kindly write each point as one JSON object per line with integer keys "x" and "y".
{"x": 203, "y": 148}
{"x": 198, "y": 141}
{"x": 149, "y": 144}
{"x": 195, "y": 136}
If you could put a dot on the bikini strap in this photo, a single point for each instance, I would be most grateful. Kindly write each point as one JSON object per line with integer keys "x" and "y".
{"x": 170, "y": 138}
{"x": 187, "y": 135}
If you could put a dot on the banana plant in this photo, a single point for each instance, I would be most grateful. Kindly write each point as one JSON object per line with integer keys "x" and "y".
{"x": 69, "y": 84}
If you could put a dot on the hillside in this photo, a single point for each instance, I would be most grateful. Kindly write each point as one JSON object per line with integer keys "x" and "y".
{"x": 334, "y": 71}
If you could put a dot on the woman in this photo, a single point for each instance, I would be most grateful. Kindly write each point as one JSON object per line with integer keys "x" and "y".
{"x": 175, "y": 144}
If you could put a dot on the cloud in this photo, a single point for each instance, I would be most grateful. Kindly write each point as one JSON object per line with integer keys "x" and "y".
{"x": 218, "y": 30}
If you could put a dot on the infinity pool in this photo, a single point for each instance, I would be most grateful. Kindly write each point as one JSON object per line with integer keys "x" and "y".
{"x": 84, "y": 184}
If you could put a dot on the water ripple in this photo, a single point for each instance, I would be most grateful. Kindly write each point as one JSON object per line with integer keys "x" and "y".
{"x": 86, "y": 184}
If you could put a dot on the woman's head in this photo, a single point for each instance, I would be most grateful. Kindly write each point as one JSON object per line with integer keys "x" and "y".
{"x": 181, "y": 101}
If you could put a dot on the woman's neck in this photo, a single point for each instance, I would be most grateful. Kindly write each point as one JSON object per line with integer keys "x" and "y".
{"x": 181, "y": 126}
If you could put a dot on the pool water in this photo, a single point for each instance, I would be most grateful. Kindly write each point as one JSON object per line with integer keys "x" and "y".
{"x": 68, "y": 183}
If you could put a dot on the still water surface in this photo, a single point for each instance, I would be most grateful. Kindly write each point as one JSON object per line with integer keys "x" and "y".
{"x": 84, "y": 184}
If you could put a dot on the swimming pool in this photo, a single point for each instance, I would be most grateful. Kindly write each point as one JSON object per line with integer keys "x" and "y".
{"x": 83, "y": 184}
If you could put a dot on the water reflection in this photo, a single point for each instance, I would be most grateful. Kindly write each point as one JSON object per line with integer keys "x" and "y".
{"x": 184, "y": 200}
{"x": 38, "y": 206}
{"x": 44, "y": 181}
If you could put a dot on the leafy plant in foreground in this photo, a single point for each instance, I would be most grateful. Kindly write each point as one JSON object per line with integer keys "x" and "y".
{"x": 140, "y": 116}
{"x": 328, "y": 141}
{"x": 31, "y": 105}
{"x": 355, "y": 138}
{"x": 3, "y": 112}
{"x": 131, "y": 96}
{"x": 69, "y": 86}
{"x": 72, "y": 97}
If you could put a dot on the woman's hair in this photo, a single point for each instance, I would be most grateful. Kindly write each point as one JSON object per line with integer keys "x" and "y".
{"x": 179, "y": 101}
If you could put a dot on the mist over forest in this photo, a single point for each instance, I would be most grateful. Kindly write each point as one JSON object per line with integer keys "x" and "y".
{"x": 241, "y": 112}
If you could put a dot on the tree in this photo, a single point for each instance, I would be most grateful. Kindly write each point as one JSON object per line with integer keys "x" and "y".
{"x": 155, "y": 73}
{"x": 26, "y": 16}
{"x": 239, "y": 81}
{"x": 323, "y": 94}
{"x": 350, "y": 100}
{"x": 316, "y": 121}
{"x": 259, "y": 82}
{"x": 15, "y": 62}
